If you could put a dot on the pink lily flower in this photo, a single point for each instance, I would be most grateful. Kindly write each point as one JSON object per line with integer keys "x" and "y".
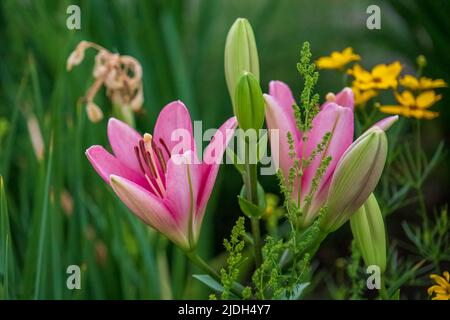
{"x": 162, "y": 183}
{"x": 335, "y": 117}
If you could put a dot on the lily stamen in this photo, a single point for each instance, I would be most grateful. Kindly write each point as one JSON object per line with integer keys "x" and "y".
{"x": 165, "y": 147}
{"x": 145, "y": 153}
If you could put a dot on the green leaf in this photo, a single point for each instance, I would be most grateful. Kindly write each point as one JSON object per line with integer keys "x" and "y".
{"x": 249, "y": 209}
{"x": 5, "y": 239}
{"x": 261, "y": 195}
{"x": 210, "y": 282}
{"x": 396, "y": 295}
{"x": 297, "y": 292}
{"x": 43, "y": 225}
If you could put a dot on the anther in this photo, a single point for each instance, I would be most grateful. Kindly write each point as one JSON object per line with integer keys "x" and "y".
{"x": 161, "y": 141}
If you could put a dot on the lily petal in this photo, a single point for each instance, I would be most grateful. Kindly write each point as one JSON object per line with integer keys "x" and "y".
{"x": 338, "y": 121}
{"x": 167, "y": 133}
{"x": 346, "y": 98}
{"x": 211, "y": 160}
{"x": 106, "y": 164}
{"x": 386, "y": 123}
{"x": 283, "y": 95}
{"x": 278, "y": 118}
{"x": 355, "y": 177}
{"x": 183, "y": 181}
{"x": 122, "y": 139}
{"x": 149, "y": 208}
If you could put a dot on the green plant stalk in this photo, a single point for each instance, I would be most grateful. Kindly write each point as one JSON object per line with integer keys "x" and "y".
{"x": 199, "y": 262}
{"x": 251, "y": 194}
{"x": 124, "y": 113}
{"x": 383, "y": 292}
{"x": 166, "y": 291}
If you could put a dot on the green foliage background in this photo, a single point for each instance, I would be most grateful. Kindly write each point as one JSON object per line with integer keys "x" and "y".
{"x": 180, "y": 45}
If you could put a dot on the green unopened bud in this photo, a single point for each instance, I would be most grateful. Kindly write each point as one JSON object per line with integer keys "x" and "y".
{"x": 249, "y": 103}
{"x": 355, "y": 177}
{"x": 241, "y": 54}
{"x": 421, "y": 61}
{"x": 368, "y": 230}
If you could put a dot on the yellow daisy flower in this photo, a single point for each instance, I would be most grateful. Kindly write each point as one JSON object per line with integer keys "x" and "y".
{"x": 423, "y": 83}
{"x": 361, "y": 97}
{"x": 441, "y": 288}
{"x": 337, "y": 60}
{"x": 411, "y": 106}
{"x": 382, "y": 76}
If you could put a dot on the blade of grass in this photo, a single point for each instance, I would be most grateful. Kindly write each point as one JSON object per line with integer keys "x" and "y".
{"x": 5, "y": 237}
{"x": 43, "y": 223}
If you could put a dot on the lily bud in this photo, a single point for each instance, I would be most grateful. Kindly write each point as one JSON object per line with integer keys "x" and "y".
{"x": 355, "y": 177}
{"x": 368, "y": 230}
{"x": 249, "y": 103}
{"x": 241, "y": 54}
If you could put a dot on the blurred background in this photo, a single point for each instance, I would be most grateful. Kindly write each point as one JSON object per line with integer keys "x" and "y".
{"x": 60, "y": 211}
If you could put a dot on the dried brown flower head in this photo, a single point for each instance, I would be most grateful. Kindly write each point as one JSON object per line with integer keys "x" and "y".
{"x": 120, "y": 74}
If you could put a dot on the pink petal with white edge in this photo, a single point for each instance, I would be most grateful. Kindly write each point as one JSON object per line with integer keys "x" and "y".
{"x": 149, "y": 209}
{"x": 346, "y": 98}
{"x": 106, "y": 164}
{"x": 211, "y": 160}
{"x": 172, "y": 117}
{"x": 283, "y": 95}
{"x": 183, "y": 183}
{"x": 339, "y": 122}
{"x": 386, "y": 123}
{"x": 278, "y": 119}
{"x": 123, "y": 139}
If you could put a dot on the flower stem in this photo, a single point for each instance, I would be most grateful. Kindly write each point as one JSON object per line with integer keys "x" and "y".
{"x": 199, "y": 262}
{"x": 256, "y": 241}
{"x": 251, "y": 194}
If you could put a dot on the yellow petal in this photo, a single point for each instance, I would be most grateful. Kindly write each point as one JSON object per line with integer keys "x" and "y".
{"x": 394, "y": 69}
{"x": 409, "y": 82}
{"x": 337, "y": 59}
{"x": 427, "y": 99}
{"x": 406, "y": 98}
{"x": 436, "y": 289}
{"x": 359, "y": 73}
{"x": 361, "y": 97}
{"x": 387, "y": 82}
{"x": 393, "y": 109}
{"x": 379, "y": 71}
{"x": 347, "y": 52}
{"x": 424, "y": 114}
{"x": 427, "y": 83}
{"x": 349, "y": 56}
{"x": 442, "y": 297}
{"x": 439, "y": 280}
{"x": 325, "y": 63}
{"x": 364, "y": 86}
{"x": 447, "y": 276}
